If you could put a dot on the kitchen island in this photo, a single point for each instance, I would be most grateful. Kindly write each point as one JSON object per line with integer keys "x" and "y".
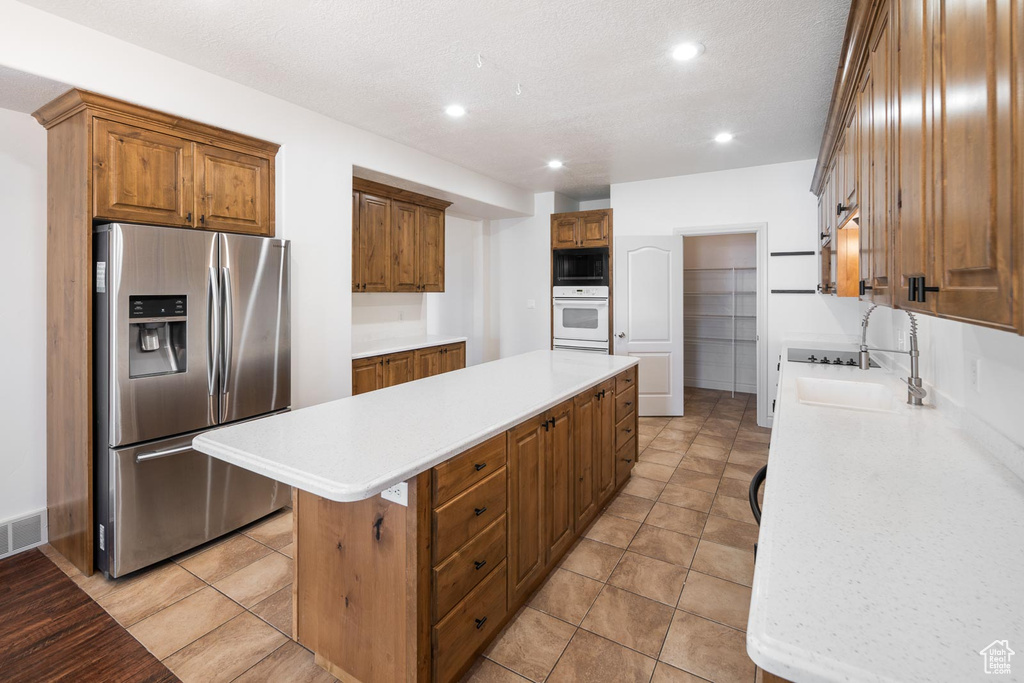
{"x": 428, "y": 512}
{"x": 891, "y": 541}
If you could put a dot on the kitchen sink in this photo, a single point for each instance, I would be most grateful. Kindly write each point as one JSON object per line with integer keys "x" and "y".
{"x": 837, "y": 393}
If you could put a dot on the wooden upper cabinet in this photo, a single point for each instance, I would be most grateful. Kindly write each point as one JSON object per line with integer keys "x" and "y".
{"x": 141, "y": 176}
{"x": 973, "y": 105}
{"x": 881, "y": 141}
{"x": 594, "y": 229}
{"x": 233, "y": 191}
{"x": 581, "y": 229}
{"x": 372, "y": 251}
{"x": 526, "y": 546}
{"x": 864, "y": 116}
{"x": 405, "y": 222}
{"x": 430, "y": 250}
{"x": 558, "y": 482}
{"x": 565, "y": 232}
{"x": 913, "y": 238}
{"x": 397, "y": 240}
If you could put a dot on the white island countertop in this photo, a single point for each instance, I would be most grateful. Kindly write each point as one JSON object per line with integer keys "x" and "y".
{"x": 891, "y": 546}
{"x": 380, "y": 347}
{"x": 354, "y": 448}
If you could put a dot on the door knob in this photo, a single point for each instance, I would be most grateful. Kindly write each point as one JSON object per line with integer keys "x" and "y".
{"x": 621, "y": 335}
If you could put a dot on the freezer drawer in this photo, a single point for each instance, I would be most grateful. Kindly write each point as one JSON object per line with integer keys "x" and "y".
{"x": 165, "y": 498}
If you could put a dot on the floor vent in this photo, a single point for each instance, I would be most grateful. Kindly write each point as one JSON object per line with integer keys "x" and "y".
{"x": 22, "y": 533}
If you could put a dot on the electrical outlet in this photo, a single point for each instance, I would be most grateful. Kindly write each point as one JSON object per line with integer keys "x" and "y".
{"x": 399, "y": 493}
{"x": 531, "y": 303}
{"x": 974, "y": 369}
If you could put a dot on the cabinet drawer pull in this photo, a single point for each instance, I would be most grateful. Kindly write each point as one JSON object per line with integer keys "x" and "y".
{"x": 479, "y": 563}
{"x": 603, "y": 392}
{"x": 480, "y": 511}
{"x": 189, "y": 217}
{"x": 627, "y": 459}
{"x": 629, "y": 403}
{"x": 629, "y": 380}
{"x": 202, "y": 219}
{"x": 479, "y": 466}
{"x": 480, "y": 622}
{"x": 629, "y": 430}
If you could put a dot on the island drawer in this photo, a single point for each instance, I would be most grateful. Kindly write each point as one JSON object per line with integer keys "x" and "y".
{"x": 468, "y": 566}
{"x": 466, "y": 515}
{"x": 625, "y": 403}
{"x": 624, "y": 431}
{"x": 472, "y": 622}
{"x": 625, "y": 380}
{"x": 625, "y": 458}
{"x": 466, "y": 469}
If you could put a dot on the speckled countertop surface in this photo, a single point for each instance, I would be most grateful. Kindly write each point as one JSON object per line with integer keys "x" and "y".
{"x": 891, "y": 546}
{"x": 380, "y": 347}
{"x": 356, "y": 447}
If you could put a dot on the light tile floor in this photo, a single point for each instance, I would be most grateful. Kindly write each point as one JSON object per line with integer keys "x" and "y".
{"x": 658, "y": 589}
{"x": 221, "y": 612}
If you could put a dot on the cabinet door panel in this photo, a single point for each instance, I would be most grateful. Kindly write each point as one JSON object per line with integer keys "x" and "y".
{"x": 141, "y": 176}
{"x": 367, "y": 375}
{"x": 526, "y": 452}
{"x": 585, "y": 456}
{"x": 233, "y": 191}
{"x": 398, "y": 368}
{"x": 404, "y": 234}
{"x": 558, "y": 483}
{"x": 605, "y": 440}
{"x": 974, "y": 156}
{"x": 881, "y": 161}
{"x": 864, "y": 175}
{"x": 430, "y": 250}
{"x": 454, "y": 357}
{"x": 594, "y": 230}
{"x": 374, "y": 242}
{"x": 565, "y": 233}
{"x": 357, "y": 263}
{"x": 429, "y": 362}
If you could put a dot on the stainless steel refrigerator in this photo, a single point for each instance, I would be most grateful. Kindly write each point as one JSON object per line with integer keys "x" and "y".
{"x": 192, "y": 331}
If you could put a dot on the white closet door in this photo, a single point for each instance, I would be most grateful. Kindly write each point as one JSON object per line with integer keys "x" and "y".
{"x": 649, "y": 317}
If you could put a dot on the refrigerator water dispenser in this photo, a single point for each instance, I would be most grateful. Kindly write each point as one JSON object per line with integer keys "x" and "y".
{"x": 157, "y": 335}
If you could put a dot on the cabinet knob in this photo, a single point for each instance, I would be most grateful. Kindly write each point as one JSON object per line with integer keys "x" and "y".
{"x": 202, "y": 218}
{"x": 480, "y": 511}
{"x": 480, "y": 622}
{"x": 479, "y": 466}
{"x": 188, "y": 217}
{"x": 479, "y": 563}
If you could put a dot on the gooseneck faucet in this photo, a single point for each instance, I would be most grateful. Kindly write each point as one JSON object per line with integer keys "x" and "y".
{"x": 915, "y": 392}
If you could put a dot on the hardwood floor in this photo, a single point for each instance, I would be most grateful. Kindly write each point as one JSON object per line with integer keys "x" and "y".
{"x": 51, "y": 630}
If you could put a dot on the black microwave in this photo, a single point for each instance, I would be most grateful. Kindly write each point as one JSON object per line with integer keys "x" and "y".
{"x": 578, "y": 267}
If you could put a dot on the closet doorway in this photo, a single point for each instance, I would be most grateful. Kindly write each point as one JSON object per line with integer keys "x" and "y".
{"x": 720, "y": 312}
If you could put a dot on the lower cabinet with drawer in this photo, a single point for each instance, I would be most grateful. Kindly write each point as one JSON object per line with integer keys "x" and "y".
{"x": 389, "y": 592}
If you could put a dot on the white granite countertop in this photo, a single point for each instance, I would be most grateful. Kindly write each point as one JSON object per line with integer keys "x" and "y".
{"x": 891, "y": 546}
{"x": 354, "y": 448}
{"x": 379, "y": 347}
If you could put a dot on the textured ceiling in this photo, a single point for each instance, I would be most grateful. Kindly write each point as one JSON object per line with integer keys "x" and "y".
{"x": 24, "y": 92}
{"x": 599, "y": 89}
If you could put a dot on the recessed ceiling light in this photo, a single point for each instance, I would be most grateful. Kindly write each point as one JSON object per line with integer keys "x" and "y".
{"x": 724, "y": 137}
{"x": 554, "y": 163}
{"x": 684, "y": 52}
{"x": 455, "y": 110}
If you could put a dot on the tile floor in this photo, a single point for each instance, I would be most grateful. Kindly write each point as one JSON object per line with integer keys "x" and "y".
{"x": 658, "y": 589}
{"x": 221, "y": 612}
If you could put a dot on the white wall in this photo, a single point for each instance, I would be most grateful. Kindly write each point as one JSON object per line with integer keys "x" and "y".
{"x": 388, "y": 315}
{"x": 520, "y": 279}
{"x": 461, "y": 308}
{"x": 720, "y": 251}
{"x": 23, "y": 312}
{"x": 777, "y": 195}
{"x": 590, "y": 204}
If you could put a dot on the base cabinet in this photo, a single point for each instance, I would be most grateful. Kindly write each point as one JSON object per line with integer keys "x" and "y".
{"x": 480, "y": 533}
{"x": 405, "y": 366}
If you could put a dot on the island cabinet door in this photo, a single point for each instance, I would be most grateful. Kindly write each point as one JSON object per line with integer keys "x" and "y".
{"x": 558, "y": 482}
{"x": 585, "y": 454}
{"x": 429, "y": 361}
{"x": 398, "y": 368}
{"x": 604, "y": 440}
{"x": 367, "y": 374}
{"x": 527, "y": 444}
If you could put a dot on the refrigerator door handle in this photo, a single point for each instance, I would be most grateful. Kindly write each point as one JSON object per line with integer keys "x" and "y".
{"x": 229, "y": 329}
{"x": 214, "y": 334}
{"x": 153, "y": 455}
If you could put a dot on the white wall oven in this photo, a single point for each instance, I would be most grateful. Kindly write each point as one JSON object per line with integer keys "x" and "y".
{"x": 580, "y": 317}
